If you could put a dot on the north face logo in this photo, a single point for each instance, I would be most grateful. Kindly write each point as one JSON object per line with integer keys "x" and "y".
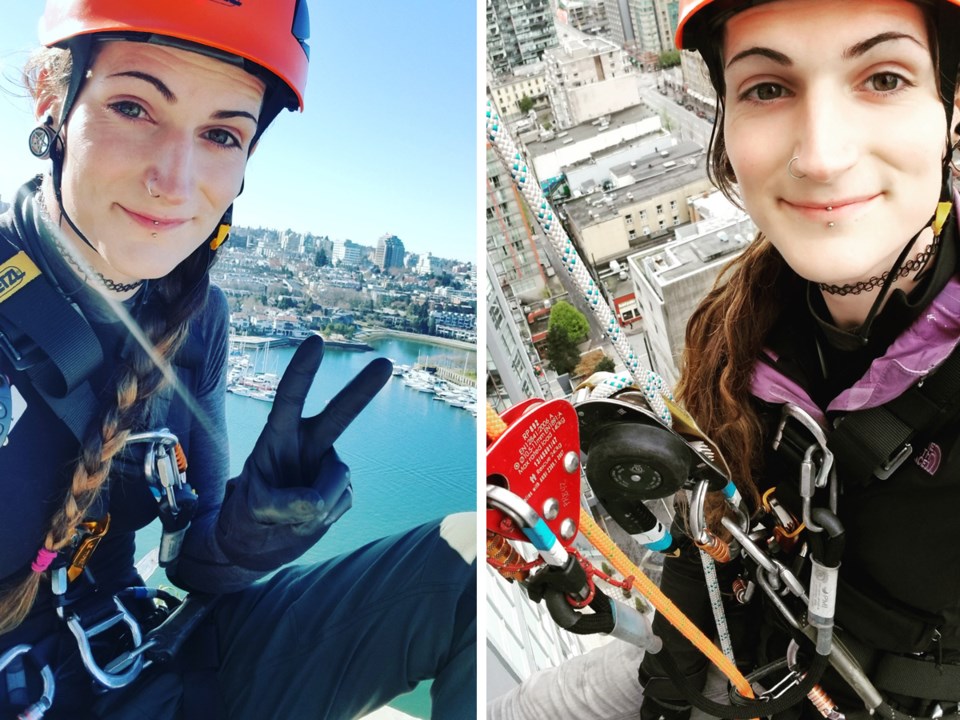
{"x": 929, "y": 459}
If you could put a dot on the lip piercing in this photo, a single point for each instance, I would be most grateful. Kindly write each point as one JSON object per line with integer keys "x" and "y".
{"x": 790, "y": 169}
{"x": 157, "y": 222}
{"x": 831, "y": 224}
{"x": 154, "y": 235}
{"x": 829, "y": 208}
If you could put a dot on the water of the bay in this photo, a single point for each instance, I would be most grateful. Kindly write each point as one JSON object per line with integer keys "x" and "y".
{"x": 412, "y": 458}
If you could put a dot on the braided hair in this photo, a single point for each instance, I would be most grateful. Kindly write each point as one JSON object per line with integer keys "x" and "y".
{"x": 165, "y": 320}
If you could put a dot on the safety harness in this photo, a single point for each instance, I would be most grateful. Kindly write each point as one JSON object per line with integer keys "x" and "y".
{"x": 867, "y": 447}
{"x": 49, "y": 343}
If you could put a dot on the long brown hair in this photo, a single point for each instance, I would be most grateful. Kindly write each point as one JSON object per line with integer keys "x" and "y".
{"x": 173, "y": 301}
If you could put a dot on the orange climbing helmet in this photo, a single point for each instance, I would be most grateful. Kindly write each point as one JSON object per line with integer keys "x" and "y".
{"x": 272, "y": 34}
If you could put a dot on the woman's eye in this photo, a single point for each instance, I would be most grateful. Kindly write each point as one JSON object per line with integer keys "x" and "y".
{"x": 768, "y": 91}
{"x": 128, "y": 108}
{"x": 885, "y": 82}
{"x": 222, "y": 137}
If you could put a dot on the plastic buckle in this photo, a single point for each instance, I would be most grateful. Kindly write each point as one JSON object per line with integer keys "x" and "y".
{"x": 16, "y": 358}
{"x": 38, "y": 709}
{"x": 890, "y": 467}
{"x": 106, "y": 678}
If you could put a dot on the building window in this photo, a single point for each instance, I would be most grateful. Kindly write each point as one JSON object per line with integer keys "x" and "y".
{"x": 643, "y": 214}
{"x": 660, "y": 210}
{"x": 631, "y": 234}
{"x": 673, "y": 204}
{"x": 676, "y": 219}
{"x": 628, "y": 219}
{"x": 662, "y": 225}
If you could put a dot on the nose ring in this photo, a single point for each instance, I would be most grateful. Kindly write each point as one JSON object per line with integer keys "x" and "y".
{"x": 790, "y": 169}
{"x": 150, "y": 189}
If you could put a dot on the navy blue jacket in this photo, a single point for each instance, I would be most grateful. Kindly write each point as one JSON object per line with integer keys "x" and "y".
{"x": 40, "y": 453}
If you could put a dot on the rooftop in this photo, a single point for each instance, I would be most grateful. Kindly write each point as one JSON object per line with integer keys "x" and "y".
{"x": 581, "y": 46}
{"x": 588, "y": 130}
{"x": 653, "y": 175}
{"x": 716, "y": 241}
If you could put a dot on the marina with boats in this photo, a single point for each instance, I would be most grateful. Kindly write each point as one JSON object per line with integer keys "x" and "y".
{"x": 421, "y": 379}
{"x": 253, "y": 372}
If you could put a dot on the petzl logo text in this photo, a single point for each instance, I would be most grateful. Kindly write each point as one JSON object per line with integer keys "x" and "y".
{"x": 15, "y": 274}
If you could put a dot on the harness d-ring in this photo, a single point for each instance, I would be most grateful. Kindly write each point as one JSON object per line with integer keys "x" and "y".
{"x": 111, "y": 680}
{"x": 38, "y": 709}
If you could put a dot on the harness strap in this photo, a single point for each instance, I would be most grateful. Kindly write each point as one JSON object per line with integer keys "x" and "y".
{"x": 45, "y": 336}
{"x": 871, "y": 444}
{"x": 916, "y": 677}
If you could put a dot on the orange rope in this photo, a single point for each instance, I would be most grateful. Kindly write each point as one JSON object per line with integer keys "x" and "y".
{"x": 495, "y": 425}
{"x": 592, "y": 532}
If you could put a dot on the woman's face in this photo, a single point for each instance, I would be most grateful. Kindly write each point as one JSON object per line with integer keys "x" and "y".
{"x": 176, "y": 121}
{"x": 849, "y": 89}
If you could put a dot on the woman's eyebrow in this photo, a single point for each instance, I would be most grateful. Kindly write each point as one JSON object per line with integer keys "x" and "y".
{"x": 863, "y": 47}
{"x": 853, "y": 51}
{"x": 230, "y": 114}
{"x": 152, "y": 79}
{"x": 777, "y": 57}
{"x": 168, "y": 95}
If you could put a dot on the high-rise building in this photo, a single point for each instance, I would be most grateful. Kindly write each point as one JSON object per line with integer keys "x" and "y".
{"x": 518, "y": 31}
{"x": 654, "y": 24}
{"x": 587, "y": 16}
{"x": 511, "y": 248}
{"x": 588, "y": 77}
{"x": 671, "y": 279}
{"x": 347, "y": 252}
{"x": 389, "y": 252}
{"x": 619, "y": 23}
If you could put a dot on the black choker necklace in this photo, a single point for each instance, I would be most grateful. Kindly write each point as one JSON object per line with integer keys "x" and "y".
{"x": 111, "y": 285}
{"x": 915, "y": 265}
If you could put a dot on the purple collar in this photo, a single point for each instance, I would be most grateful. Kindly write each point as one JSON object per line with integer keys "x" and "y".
{"x": 921, "y": 348}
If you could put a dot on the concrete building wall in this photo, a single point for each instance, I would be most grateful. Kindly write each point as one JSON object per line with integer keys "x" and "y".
{"x": 696, "y": 79}
{"x": 588, "y": 102}
{"x": 671, "y": 280}
{"x": 508, "y": 92}
{"x": 646, "y": 217}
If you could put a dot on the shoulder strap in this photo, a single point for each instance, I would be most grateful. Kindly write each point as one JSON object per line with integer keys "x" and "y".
{"x": 871, "y": 444}
{"x": 44, "y": 336}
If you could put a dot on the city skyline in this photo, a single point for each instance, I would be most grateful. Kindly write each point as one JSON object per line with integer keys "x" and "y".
{"x": 364, "y": 168}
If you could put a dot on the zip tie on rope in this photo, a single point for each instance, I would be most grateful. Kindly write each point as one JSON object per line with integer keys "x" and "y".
{"x": 664, "y": 605}
{"x": 529, "y": 186}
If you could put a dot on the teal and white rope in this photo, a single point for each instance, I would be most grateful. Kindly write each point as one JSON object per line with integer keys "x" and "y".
{"x": 650, "y": 384}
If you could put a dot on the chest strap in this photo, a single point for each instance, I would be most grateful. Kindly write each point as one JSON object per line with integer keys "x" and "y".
{"x": 871, "y": 444}
{"x": 44, "y": 336}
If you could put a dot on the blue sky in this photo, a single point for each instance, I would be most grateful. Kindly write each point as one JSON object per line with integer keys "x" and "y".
{"x": 387, "y": 143}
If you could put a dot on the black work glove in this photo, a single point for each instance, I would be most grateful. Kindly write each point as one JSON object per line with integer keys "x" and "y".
{"x": 293, "y": 486}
